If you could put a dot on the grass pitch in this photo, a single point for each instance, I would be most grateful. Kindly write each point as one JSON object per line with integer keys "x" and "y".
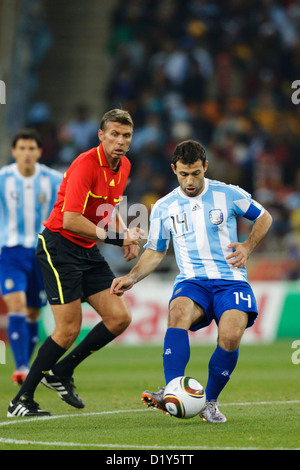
{"x": 261, "y": 403}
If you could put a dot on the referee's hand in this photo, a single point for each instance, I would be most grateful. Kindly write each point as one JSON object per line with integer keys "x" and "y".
{"x": 133, "y": 236}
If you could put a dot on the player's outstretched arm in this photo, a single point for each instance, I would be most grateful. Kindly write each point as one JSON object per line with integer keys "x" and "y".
{"x": 147, "y": 263}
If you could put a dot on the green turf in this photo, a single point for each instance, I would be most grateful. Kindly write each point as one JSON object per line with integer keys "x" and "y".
{"x": 261, "y": 403}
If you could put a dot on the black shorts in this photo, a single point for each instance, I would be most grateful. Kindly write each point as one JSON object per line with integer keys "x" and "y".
{"x": 70, "y": 271}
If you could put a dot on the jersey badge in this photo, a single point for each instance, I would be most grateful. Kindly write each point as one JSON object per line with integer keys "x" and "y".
{"x": 42, "y": 198}
{"x": 216, "y": 216}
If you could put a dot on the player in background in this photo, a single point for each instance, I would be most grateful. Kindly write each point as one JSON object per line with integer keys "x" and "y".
{"x": 74, "y": 269}
{"x": 201, "y": 217}
{"x": 28, "y": 191}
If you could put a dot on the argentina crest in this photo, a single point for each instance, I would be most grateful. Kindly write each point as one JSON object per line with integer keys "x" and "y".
{"x": 216, "y": 216}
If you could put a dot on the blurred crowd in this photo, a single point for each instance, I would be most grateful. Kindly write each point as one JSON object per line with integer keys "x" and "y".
{"x": 218, "y": 72}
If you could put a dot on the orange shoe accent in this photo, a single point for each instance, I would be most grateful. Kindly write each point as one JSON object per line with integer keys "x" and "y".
{"x": 18, "y": 377}
{"x": 150, "y": 401}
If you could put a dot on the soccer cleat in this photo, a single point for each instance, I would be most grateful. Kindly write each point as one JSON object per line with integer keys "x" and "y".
{"x": 155, "y": 399}
{"x": 64, "y": 386}
{"x": 20, "y": 375}
{"x": 25, "y": 407}
{"x": 211, "y": 413}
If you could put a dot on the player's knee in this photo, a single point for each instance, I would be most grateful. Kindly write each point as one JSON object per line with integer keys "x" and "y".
{"x": 230, "y": 340}
{"x": 179, "y": 317}
{"x": 15, "y": 303}
{"x": 175, "y": 319}
{"x": 231, "y": 329}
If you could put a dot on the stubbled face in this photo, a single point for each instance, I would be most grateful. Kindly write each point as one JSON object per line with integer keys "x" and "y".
{"x": 191, "y": 177}
{"x": 26, "y": 153}
{"x": 116, "y": 139}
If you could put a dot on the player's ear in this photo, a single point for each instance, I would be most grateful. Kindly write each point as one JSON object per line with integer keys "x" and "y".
{"x": 100, "y": 134}
{"x": 205, "y": 166}
{"x": 174, "y": 168}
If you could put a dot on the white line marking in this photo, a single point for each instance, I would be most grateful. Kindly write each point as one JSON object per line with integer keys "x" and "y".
{"x": 127, "y": 446}
{"x": 117, "y": 446}
{"x": 74, "y": 415}
{"x": 130, "y": 446}
{"x": 247, "y": 403}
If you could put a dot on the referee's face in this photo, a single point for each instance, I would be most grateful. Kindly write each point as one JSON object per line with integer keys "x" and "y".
{"x": 115, "y": 140}
{"x": 191, "y": 177}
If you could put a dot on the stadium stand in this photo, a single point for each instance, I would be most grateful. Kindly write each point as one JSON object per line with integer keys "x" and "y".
{"x": 219, "y": 72}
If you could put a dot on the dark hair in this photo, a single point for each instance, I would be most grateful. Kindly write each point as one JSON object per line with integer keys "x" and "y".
{"x": 27, "y": 134}
{"x": 116, "y": 115}
{"x": 188, "y": 152}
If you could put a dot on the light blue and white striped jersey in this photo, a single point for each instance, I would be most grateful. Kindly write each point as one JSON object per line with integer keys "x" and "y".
{"x": 25, "y": 202}
{"x": 201, "y": 228}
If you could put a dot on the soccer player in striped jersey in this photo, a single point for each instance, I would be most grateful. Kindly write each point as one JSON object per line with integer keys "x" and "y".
{"x": 201, "y": 217}
{"x": 28, "y": 191}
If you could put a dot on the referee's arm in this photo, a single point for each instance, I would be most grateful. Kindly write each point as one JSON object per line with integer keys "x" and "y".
{"x": 76, "y": 223}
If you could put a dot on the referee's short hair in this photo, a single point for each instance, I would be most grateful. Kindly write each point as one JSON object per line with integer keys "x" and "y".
{"x": 116, "y": 115}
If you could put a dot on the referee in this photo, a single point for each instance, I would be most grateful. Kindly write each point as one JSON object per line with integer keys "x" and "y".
{"x": 73, "y": 268}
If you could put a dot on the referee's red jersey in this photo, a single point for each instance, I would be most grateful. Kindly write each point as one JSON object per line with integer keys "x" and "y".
{"x": 91, "y": 188}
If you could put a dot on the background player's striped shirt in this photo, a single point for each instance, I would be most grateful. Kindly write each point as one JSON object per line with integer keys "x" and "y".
{"x": 25, "y": 202}
{"x": 202, "y": 227}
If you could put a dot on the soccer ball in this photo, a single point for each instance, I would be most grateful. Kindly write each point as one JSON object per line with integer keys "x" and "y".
{"x": 184, "y": 397}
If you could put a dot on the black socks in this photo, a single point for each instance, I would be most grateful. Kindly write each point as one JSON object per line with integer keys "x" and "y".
{"x": 48, "y": 354}
{"x": 98, "y": 337}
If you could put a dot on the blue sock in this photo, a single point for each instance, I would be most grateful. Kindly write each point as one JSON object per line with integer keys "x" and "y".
{"x": 176, "y": 353}
{"x": 18, "y": 337}
{"x": 33, "y": 331}
{"x": 221, "y": 365}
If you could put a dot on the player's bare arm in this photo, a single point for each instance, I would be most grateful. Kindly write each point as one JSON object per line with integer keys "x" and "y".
{"x": 238, "y": 258}
{"x": 147, "y": 263}
{"x": 75, "y": 222}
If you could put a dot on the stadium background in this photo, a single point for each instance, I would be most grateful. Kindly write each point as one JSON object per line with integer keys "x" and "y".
{"x": 219, "y": 72}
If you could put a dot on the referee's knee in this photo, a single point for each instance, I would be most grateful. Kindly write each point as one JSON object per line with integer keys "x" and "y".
{"x": 117, "y": 324}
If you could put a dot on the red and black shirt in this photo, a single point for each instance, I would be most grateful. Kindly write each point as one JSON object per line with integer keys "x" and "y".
{"x": 91, "y": 188}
